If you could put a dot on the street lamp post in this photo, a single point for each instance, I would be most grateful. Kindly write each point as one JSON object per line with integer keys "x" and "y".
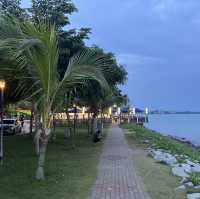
{"x": 2, "y": 87}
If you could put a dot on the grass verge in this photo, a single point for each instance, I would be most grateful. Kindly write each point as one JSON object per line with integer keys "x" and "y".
{"x": 70, "y": 172}
{"x": 147, "y": 138}
{"x": 158, "y": 180}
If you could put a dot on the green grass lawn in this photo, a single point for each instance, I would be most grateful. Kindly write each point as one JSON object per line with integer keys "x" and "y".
{"x": 158, "y": 180}
{"x": 70, "y": 172}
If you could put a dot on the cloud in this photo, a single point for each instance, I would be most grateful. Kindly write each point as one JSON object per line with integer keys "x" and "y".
{"x": 137, "y": 59}
{"x": 170, "y": 9}
{"x": 163, "y": 7}
{"x": 139, "y": 65}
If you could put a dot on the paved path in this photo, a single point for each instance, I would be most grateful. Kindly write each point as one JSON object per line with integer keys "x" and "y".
{"x": 117, "y": 178}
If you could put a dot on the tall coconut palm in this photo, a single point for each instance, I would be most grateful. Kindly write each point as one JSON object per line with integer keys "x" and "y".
{"x": 34, "y": 49}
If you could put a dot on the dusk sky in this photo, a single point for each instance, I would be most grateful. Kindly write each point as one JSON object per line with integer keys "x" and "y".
{"x": 157, "y": 40}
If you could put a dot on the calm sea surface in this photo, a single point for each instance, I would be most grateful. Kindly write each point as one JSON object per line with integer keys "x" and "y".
{"x": 181, "y": 125}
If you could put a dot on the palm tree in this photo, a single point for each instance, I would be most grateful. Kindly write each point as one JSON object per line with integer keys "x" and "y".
{"x": 34, "y": 50}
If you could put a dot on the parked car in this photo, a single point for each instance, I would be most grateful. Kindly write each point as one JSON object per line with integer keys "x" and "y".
{"x": 11, "y": 126}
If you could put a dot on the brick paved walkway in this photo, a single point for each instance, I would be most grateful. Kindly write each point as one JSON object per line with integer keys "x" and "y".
{"x": 117, "y": 178}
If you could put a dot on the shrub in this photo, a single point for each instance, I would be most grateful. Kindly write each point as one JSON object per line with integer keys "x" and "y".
{"x": 195, "y": 178}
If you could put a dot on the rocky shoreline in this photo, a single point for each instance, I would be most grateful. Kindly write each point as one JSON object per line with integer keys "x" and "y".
{"x": 180, "y": 154}
{"x": 183, "y": 170}
{"x": 179, "y": 139}
{"x": 185, "y": 141}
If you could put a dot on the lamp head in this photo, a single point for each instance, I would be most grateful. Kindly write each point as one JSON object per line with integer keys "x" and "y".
{"x": 2, "y": 84}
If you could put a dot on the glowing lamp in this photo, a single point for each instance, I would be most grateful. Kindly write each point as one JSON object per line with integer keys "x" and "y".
{"x": 2, "y": 84}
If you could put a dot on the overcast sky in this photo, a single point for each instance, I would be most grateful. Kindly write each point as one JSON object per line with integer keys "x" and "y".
{"x": 157, "y": 40}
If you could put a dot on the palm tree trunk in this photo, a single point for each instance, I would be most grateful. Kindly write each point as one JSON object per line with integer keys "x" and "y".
{"x": 94, "y": 124}
{"x": 43, "y": 142}
{"x": 37, "y": 118}
{"x": 31, "y": 119}
{"x": 75, "y": 120}
{"x": 68, "y": 128}
{"x": 88, "y": 123}
{"x": 37, "y": 141}
{"x": 101, "y": 120}
{"x": 53, "y": 133}
{"x": 91, "y": 125}
{"x": 37, "y": 131}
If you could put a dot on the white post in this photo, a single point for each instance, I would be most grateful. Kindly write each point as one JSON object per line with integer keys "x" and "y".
{"x": 118, "y": 110}
{"x": 134, "y": 111}
{"x": 146, "y": 111}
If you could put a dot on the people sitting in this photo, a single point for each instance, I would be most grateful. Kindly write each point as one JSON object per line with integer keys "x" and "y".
{"x": 97, "y": 135}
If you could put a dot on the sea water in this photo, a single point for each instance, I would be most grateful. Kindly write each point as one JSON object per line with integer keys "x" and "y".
{"x": 180, "y": 125}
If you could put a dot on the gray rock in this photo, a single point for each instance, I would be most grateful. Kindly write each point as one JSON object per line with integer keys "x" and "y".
{"x": 150, "y": 153}
{"x": 187, "y": 168}
{"x": 197, "y": 187}
{"x": 193, "y": 196}
{"x": 195, "y": 167}
{"x": 184, "y": 180}
{"x": 164, "y": 157}
{"x": 180, "y": 188}
{"x": 179, "y": 171}
{"x": 190, "y": 162}
{"x": 189, "y": 184}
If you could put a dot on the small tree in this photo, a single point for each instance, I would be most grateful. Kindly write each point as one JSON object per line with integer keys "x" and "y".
{"x": 34, "y": 47}
{"x": 57, "y": 12}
